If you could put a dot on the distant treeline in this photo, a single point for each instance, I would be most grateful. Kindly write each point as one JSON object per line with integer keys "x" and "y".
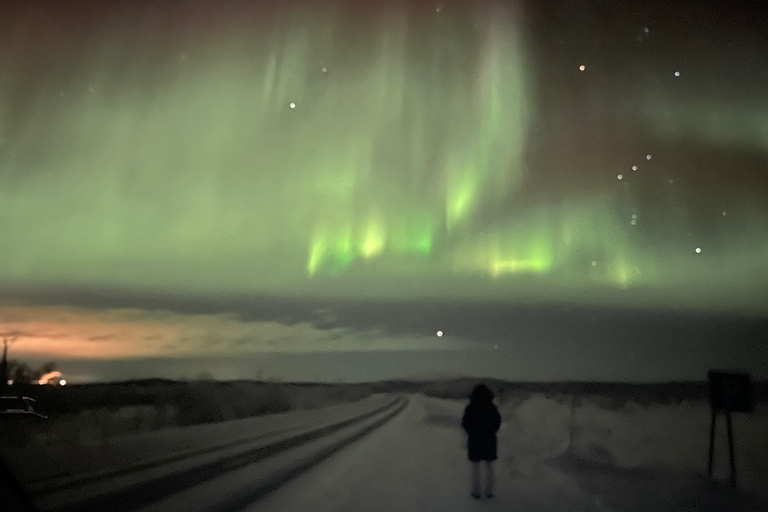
{"x": 20, "y": 372}
{"x": 195, "y": 401}
{"x": 204, "y": 401}
{"x": 605, "y": 394}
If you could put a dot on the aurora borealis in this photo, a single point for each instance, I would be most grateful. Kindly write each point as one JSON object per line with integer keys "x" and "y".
{"x": 167, "y": 145}
{"x": 499, "y": 151}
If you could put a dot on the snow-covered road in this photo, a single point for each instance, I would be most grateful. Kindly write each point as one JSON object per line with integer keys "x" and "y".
{"x": 410, "y": 456}
{"x": 416, "y": 462}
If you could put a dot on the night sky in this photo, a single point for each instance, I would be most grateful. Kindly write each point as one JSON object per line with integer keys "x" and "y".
{"x": 563, "y": 189}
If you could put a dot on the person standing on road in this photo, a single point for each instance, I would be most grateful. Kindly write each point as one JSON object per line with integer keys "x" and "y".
{"x": 481, "y": 421}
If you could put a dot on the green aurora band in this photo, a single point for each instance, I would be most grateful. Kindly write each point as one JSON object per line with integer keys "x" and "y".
{"x": 304, "y": 146}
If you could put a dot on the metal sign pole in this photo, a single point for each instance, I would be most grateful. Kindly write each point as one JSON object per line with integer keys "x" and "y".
{"x": 728, "y": 392}
{"x": 730, "y": 448}
{"x": 712, "y": 442}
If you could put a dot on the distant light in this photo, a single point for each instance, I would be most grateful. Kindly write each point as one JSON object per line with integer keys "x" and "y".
{"x": 647, "y": 157}
{"x": 633, "y": 222}
{"x": 698, "y": 250}
{"x": 725, "y": 213}
{"x": 677, "y": 73}
{"x": 620, "y": 176}
{"x": 63, "y": 382}
{"x": 10, "y": 382}
{"x": 324, "y": 69}
{"x": 439, "y": 8}
{"x": 634, "y": 167}
{"x": 647, "y": 30}
{"x": 292, "y": 105}
{"x": 582, "y": 67}
{"x": 439, "y": 333}
{"x": 634, "y": 215}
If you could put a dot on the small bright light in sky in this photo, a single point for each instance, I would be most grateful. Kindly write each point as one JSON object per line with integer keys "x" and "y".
{"x": 63, "y": 382}
{"x": 725, "y": 213}
{"x": 439, "y": 333}
{"x": 324, "y": 69}
{"x": 292, "y": 105}
{"x": 582, "y": 67}
{"x": 647, "y": 157}
{"x": 633, "y": 222}
{"x": 698, "y": 250}
{"x": 647, "y": 30}
{"x": 620, "y": 176}
{"x": 677, "y": 73}
{"x": 634, "y": 167}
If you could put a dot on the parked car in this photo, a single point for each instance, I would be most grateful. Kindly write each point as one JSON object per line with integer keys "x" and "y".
{"x": 12, "y": 407}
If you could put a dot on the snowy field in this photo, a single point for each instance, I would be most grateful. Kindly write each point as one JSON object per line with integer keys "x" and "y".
{"x": 557, "y": 452}
{"x": 630, "y": 459}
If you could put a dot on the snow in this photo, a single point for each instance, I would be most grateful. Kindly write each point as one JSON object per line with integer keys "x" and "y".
{"x": 242, "y": 485}
{"x": 617, "y": 462}
{"x": 71, "y": 459}
{"x": 556, "y": 453}
{"x": 416, "y": 462}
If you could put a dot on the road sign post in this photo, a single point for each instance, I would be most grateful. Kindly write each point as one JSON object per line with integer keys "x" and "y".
{"x": 728, "y": 392}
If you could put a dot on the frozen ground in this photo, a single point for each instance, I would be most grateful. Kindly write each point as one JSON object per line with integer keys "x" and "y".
{"x": 42, "y": 463}
{"x": 629, "y": 459}
{"x": 595, "y": 453}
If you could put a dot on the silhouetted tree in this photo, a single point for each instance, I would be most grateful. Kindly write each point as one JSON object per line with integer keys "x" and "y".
{"x": 20, "y": 372}
{"x": 48, "y": 367}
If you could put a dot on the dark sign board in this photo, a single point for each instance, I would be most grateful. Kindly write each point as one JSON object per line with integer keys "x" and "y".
{"x": 730, "y": 391}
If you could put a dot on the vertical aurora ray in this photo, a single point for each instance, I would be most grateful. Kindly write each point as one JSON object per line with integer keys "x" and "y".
{"x": 480, "y": 157}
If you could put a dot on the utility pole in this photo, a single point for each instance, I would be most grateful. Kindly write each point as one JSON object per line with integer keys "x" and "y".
{"x": 9, "y": 338}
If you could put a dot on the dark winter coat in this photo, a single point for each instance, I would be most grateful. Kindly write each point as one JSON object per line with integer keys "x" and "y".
{"x": 481, "y": 421}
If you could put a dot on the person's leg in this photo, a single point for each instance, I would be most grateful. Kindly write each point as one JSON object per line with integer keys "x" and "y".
{"x": 475, "y": 479}
{"x": 489, "y": 479}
